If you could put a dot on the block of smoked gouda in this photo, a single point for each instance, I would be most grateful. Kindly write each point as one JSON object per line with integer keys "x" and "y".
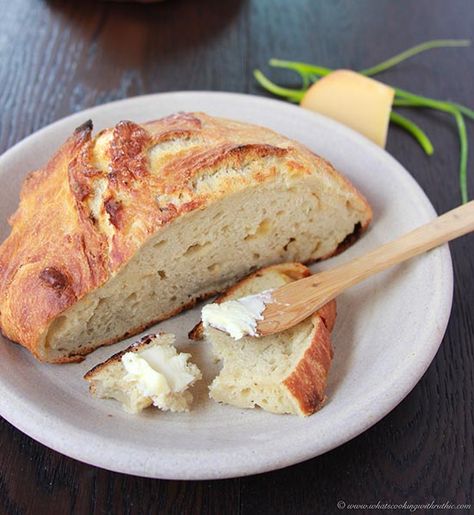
{"x": 357, "y": 101}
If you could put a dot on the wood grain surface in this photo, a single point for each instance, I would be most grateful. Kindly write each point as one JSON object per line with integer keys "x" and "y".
{"x": 58, "y": 57}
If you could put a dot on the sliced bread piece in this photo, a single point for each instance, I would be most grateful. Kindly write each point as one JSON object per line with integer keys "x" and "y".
{"x": 130, "y": 226}
{"x": 281, "y": 373}
{"x": 149, "y": 372}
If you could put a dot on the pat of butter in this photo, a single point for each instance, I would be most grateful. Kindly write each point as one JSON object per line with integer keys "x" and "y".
{"x": 237, "y": 318}
{"x": 357, "y": 101}
{"x": 158, "y": 371}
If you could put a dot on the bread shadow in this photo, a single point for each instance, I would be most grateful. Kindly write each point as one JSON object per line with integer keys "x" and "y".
{"x": 201, "y": 353}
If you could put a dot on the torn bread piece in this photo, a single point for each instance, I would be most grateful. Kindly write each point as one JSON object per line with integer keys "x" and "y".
{"x": 282, "y": 373}
{"x": 149, "y": 372}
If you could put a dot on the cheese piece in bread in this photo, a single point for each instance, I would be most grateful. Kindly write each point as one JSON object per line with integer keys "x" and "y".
{"x": 281, "y": 373}
{"x": 129, "y": 227}
{"x": 149, "y": 372}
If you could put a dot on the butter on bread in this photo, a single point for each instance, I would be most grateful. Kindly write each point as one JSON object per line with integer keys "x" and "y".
{"x": 149, "y": 372}
{"x": 127, "y": 228}
{"x": 282, "y": 373}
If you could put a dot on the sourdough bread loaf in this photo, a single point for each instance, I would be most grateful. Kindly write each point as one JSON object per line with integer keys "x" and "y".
{"x": 129, "y": 227}
{"x": 282, "y": 373}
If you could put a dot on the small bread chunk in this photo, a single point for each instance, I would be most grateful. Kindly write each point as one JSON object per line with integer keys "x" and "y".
{"x": 281, "y": 373}
{"x": 149, "y": 372}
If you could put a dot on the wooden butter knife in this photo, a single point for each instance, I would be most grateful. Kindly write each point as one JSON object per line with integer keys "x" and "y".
{"x": 296, "y": 301}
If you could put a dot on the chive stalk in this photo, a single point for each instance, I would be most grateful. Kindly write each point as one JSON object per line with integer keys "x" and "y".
{"x": 293, "y": 95}
{"x": 305, "y": 70}
{"x": 415, "y": 131}
{"x": 405, "y": 102}
{"x": 418, "y": 49}
{"x": 310, "y": 73}
{"x": 453, "y": 109}
{"x": 464, "y": 110}
{"x": 463, "y": 149}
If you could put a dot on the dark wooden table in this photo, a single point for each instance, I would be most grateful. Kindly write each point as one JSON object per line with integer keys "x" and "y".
{"x": 57, "y": 57}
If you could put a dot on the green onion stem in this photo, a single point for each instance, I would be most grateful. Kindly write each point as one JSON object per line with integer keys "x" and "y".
{"x": 462, "y": 156}
{"x": 410, "y": 52}
{"x": 304, "y": 69}
{"x": 294, "y": 95}
{"x": 464, "y": 110}
{"x": 310, "y": 73}
{"x": 414, "y": 130}
{"x": 421, "y": 101}
{"x": 412, "y": 100}
{"x": 404, "y": 102}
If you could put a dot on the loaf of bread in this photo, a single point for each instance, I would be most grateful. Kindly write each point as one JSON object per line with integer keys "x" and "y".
{"x": 129, "y": 227}
{"x": 149, "y": 372}
{"x": 281, "y": 373}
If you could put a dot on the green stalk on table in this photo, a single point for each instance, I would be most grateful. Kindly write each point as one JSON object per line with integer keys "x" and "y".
{"x": 310, "y": 73}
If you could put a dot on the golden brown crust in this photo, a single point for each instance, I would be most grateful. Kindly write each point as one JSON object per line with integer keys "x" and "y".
{"x": 96, "y": 202}
{"x": 53, "y": 255}
{"x": 307, "y": 382}
{"x": 328, "y": 314}
{"x": 135, "y": 347}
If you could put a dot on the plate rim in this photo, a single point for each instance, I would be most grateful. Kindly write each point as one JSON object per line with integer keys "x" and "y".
{"x": 16, "y": 415}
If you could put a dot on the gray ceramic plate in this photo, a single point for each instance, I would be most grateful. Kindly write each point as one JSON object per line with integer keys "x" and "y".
{"x": 388, "y": 329}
